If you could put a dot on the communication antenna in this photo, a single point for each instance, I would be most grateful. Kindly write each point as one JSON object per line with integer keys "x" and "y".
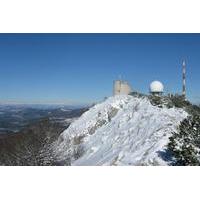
{"x": 184, "y": 79}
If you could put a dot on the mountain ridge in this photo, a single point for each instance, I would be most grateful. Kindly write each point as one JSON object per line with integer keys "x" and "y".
{"x": 123, "y": 130}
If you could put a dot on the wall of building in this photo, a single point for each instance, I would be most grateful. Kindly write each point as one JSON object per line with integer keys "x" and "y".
{"x": 121, "y": 88}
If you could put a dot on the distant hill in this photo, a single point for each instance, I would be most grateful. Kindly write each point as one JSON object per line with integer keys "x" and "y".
{"x": 30, "y": 145}
{"x": 14, "y": 118}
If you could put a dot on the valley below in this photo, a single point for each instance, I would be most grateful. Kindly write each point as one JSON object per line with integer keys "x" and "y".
{"x": 27, "y": 132}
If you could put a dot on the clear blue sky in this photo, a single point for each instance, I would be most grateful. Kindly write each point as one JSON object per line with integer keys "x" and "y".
{"x": 80, "y": 68}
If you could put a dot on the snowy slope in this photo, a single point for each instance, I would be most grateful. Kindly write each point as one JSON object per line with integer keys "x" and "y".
{"x": 123, "y": 130}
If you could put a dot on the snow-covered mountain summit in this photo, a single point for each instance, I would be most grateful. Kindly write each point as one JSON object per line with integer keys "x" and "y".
{"x": 123, "y": 130}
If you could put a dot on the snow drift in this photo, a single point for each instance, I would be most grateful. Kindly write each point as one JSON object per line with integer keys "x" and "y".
{"x": 123, "y": 130}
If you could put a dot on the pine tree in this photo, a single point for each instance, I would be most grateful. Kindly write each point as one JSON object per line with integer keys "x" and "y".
{"x": 185, "y": 144}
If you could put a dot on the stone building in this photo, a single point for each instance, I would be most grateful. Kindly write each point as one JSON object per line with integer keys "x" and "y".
{"x": 121, "y": 88}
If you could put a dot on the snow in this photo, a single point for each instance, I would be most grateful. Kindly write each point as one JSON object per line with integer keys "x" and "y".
{"x": 123, "y": 130}
{"x": 70, "y": 120}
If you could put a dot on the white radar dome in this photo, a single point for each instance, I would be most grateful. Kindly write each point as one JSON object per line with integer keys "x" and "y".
{"x": 156, "y": 86}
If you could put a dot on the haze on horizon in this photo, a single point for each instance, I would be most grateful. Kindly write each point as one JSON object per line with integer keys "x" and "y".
{"x": 79, "y": 69}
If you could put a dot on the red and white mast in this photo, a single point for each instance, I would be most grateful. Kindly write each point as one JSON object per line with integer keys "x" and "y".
{"x": 184, "y": 80}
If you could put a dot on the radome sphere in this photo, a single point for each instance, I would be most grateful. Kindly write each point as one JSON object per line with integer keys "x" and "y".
{"x": 156, "y": 87}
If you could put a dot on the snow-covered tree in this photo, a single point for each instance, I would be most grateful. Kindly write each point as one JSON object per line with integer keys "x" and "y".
{"x": 185, "y": 144}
